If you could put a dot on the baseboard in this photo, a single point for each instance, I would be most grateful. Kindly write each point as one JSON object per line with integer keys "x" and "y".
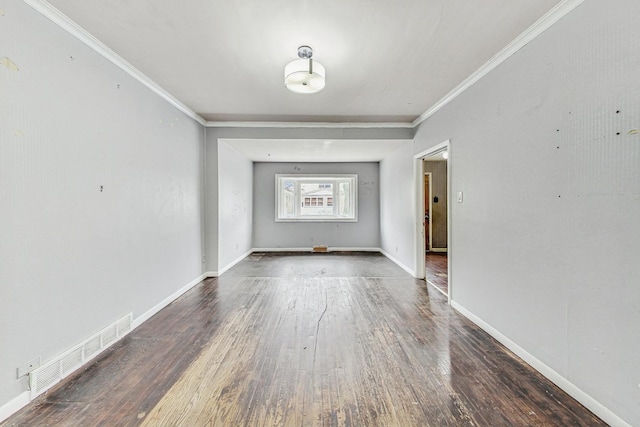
{"x": 234, "y": 262}
{"x": 282, "y": 249}
{"x": 437, "y": 288}
{"x": 439, "y": 250}
{"x": 14, "y": 405}
{"x": 398, "y": 263}
{"x": 165, "y": 302}
{"x": 589, "y": 402}
{"x": 309, "y": 249}
{"x": 352, "y": 249}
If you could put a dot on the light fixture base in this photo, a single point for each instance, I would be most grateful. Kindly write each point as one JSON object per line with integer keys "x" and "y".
{"x": 305, "y": 52}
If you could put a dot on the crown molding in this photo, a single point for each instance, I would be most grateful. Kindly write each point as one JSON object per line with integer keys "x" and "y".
{"x": 334, "y": 125}
{"x": 542, "y": 24}
{"x": 49, "y": 11}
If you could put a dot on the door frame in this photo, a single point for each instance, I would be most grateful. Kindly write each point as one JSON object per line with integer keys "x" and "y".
{"x": 419, "y": 211}
{"x": 430, "y": 203}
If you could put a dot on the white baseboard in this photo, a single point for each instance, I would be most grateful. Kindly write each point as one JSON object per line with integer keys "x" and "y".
{"x": 165, "y": 302}
{"x": 221, "y": 271}
{"x": 401, "y": 265}
{"x": 589, "y": 402}
{"x": 309, "y": 249}
{"x": 211, "y": 274}
{"x": 437, "y": 288}
{"x": 350, "y": 249}
{"x": 282, "y": 249}
{"x": 14, "y": 405}
{"x": 438, "y": 250}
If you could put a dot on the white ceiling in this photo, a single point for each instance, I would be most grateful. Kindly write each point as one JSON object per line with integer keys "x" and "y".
{"x": 314, "y": 150}
{"x": 386, "y": 60}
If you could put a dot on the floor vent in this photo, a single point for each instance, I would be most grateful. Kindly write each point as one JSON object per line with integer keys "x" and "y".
{"x": 48, "y": 375}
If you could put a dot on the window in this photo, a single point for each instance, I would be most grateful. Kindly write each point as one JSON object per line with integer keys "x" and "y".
{"x": 316, "y": 198}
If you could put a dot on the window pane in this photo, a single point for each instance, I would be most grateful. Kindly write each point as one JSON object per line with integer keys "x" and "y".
{"x": 287, "y": 207}
{"x": 316, "y": 198}
{"x": 316, "y": 192}
{"x": 344, "y": 197}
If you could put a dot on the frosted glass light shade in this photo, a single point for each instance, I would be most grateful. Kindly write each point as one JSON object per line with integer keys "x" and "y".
{"x": 298, "y": 79}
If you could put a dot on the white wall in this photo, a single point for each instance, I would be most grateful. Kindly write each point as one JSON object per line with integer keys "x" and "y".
{"x": 213, "y": 137}
{"x": 74, "y": 258}
{"x": 235, "y": 198}
{"x": 398, "y": 206}
{"x": 211, "y": 203}
{"x": 545, "y": 245}
{"x": 269, "y": 234}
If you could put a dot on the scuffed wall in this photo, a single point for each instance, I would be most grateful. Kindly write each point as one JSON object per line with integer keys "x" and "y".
{"x": 270, "y": 234}
{"x": 100, "y": 194}
{"x": 545, "y": 244}
{"x": 235, "y": 205}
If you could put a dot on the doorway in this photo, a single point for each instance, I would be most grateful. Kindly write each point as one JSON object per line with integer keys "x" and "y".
{"x": 428, "y": 179}
{"x": 433, "y": 242}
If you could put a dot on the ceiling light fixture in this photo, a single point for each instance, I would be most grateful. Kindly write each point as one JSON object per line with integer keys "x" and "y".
{"x": 304, "y": 75}
{"x": 445, "y": 154}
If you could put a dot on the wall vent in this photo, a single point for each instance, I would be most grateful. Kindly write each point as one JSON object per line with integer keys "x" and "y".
{"x": 51, "y": 373}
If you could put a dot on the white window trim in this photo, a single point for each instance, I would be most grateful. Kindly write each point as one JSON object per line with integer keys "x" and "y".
{"x": 331, "y": 178}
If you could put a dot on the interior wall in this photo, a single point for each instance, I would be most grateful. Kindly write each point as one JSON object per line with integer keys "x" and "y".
{"x": 211, "y": 203}
{"x": 308, "y": 133}
{"x": 213, "y": 137}
{"x": 100, "y": 190}
{"x": 545, "y": 243}
{"x": 235, "y": 200}
{"x": 439, "y": 209}
{"x": 269, "y": 234}
{"x": 398, "y": 206}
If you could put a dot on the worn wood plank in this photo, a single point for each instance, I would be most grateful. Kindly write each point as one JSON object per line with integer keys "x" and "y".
{"x": 437, "y": 270}
{"x": 319, "y": 339}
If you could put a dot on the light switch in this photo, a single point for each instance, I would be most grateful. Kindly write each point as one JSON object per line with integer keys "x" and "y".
{"x": 459, "y": 196}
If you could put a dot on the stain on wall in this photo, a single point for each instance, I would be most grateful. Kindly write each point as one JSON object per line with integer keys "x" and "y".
{"x": 9, "y": 64}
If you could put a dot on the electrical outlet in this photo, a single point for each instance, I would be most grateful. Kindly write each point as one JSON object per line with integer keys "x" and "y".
{"x": 28, "y": 367}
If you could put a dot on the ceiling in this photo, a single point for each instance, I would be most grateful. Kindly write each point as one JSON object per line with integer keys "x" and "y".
{"x": 314, "y": 150}
{"x": 386, "y": 60}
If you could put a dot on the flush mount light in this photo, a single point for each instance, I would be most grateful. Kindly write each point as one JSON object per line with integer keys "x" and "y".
{"x": 445, "y": 154}
{"x": 304, "y": 75}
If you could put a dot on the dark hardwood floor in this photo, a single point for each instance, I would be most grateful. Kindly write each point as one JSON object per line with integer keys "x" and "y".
{"x": 437, "y": 270}
{"x": 305, "y": 340}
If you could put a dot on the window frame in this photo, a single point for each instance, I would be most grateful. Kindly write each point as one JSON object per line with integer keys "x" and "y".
{"x": 298, "y": 199}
